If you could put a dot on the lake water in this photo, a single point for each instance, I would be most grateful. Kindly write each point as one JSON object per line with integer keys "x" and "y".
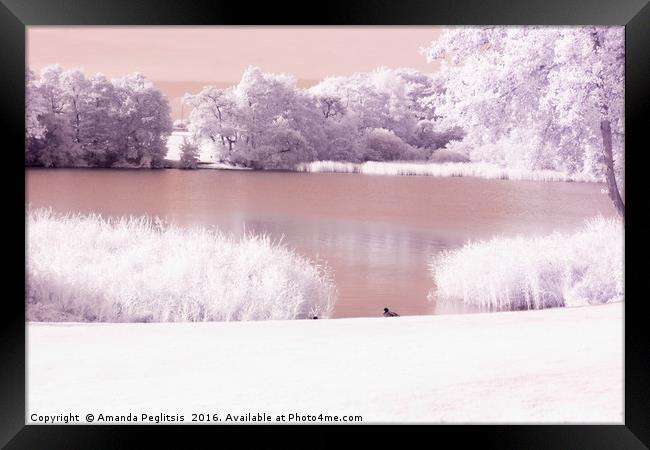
{"x": 377, "y": 233}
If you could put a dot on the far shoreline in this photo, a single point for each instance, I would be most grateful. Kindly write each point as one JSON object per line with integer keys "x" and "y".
{"x": 378, "y": 168}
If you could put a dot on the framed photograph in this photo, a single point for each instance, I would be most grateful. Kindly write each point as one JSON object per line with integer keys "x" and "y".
{"x": 409, "y": 214}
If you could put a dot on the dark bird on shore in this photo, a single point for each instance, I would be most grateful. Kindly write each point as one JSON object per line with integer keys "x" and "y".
{"x": 389, "y": 313}
{"x": 315, "y": 317}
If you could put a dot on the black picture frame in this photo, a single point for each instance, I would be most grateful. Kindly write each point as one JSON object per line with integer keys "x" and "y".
{"x": 15, "y": 15}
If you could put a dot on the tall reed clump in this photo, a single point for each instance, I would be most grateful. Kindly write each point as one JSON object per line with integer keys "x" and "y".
{"x": 582, "y": 268}
{"x": 87, "y": 268}
{"x": 447, "y": 169}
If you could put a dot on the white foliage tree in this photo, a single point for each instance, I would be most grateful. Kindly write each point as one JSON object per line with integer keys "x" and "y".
{"x": 75, "y": 121}
{"x": 537, "y": 97}
{"x": 381, "y": 144}
{"x": 264, "y": 121}
{"x": 35, "y": 107}
{"x": 189, "y": 154}
{"x": 215, "y": 118}
{"x": 282, "y": 148}
{"x": 397, "y": 100}
{"x": 144, "y": 121}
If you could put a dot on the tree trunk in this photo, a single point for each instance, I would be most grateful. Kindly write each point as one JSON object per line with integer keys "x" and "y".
{"x": 612, "y": 188}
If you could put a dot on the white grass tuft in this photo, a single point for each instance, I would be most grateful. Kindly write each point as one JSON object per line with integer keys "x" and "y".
{"x": 483, "y": 170}
{"x": 86, "y": 268}
{"x": 533, "y": 273}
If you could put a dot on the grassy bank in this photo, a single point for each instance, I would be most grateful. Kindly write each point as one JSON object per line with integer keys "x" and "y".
{"x": 582, "y": 268}
{"x": 87, "y": 268}
{"x": 562, "y": 365}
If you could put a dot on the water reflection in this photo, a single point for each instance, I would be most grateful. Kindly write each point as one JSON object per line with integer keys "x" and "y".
{"x": 374, "y": 265}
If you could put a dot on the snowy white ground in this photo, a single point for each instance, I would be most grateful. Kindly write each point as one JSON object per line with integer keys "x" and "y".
{"x": 561, "y": 365}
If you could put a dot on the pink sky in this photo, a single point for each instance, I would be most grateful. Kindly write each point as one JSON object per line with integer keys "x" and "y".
{"x": 180, "y": 59}
{"x": 222, "y": 53}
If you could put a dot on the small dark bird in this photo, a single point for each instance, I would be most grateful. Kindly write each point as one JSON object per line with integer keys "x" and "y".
{"x": 314, "y": 317}
{"x": 388, "y": 313}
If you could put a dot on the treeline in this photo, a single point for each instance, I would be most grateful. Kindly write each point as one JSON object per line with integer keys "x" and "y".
{"x": 525, "y": 98}
{"x": 75, "y": 121}
{"x": 266, "y": 121}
